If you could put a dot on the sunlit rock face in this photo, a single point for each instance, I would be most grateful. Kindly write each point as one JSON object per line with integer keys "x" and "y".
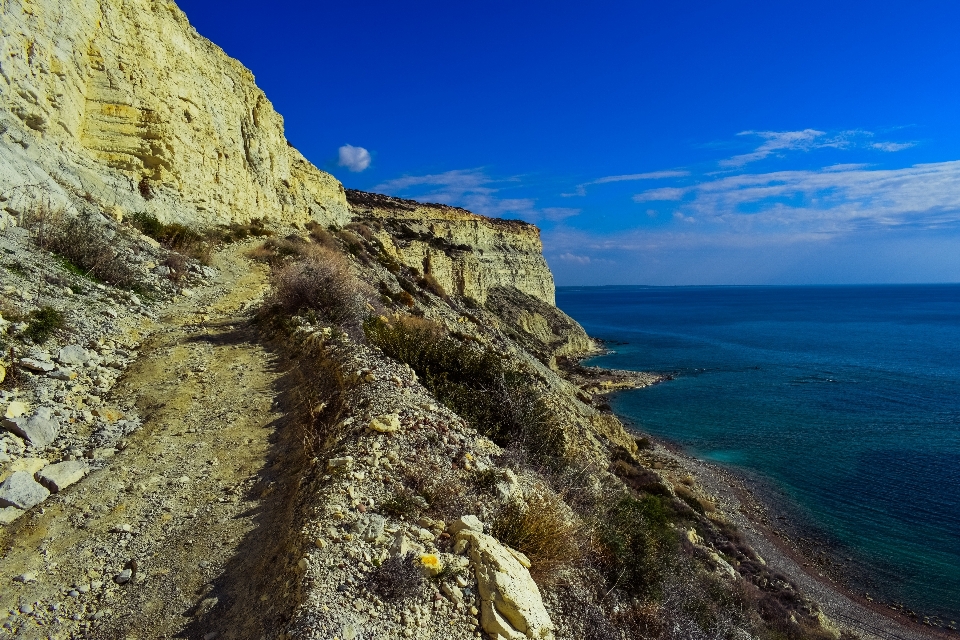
{"x": 468, "y": 254}
{"x": 122, "y": 104}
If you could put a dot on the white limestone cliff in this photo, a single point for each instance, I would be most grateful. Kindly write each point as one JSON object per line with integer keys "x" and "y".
{"x": 123, "y": 105}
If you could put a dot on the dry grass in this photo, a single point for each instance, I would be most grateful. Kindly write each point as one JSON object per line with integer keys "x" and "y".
{"x": 322, "y": 396}
{"x": 397, "y": 578}
{"x": 430, "y": 283}
{"x": 321, "y": 282}
{"x": 544, "y": 529}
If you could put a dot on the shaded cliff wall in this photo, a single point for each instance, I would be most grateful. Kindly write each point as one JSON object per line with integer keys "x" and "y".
{"x": 468, "y": 254}
{"x": 122, "y": 104}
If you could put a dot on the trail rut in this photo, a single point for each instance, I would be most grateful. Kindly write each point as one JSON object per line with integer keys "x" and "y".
{"x": 194, "y": 503}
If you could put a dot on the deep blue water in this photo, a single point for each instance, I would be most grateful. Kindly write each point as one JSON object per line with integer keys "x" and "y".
{"x": 847, "y": 399}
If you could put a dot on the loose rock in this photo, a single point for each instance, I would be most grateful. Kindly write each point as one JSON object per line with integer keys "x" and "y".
{"x": 20, "y": 490}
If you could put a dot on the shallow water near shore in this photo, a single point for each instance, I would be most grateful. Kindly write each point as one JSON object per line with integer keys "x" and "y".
{"x": 845, "y": 398}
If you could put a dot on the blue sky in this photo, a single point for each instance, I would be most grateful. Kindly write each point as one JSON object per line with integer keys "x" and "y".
{"x": 654, "y": 143}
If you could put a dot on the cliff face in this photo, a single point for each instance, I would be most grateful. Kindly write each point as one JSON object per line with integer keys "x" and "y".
{"x": 468, "y": 254}
{"x": 121, "y": 104}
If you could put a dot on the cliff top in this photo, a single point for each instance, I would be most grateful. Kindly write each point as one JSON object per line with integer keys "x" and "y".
{"x": 416, "y": 209}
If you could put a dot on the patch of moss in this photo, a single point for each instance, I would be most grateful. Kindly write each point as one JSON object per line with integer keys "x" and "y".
{"x": 43, "y": 323}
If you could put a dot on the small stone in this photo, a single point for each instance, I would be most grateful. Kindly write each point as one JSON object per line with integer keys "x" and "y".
{"x": 387, "y": 423}
{"x": 73, "y": 593}
{"x": 58, "y": 477}
{"x": 20, "y": 490}
{"x": 63, "y": 374}
{"x": 9, "y": 514}
{"x": 123, "y": 577}
{"x": 40, "y": 366}
{"x": 74, "y": 355}
{"x": 468, "y": 522}
{"x": 16, "y": 409}
{"x": 30, "y": 465}
{"x": 110, "y": 313}
{"x": 26, "y": 608}
{"x": 340, "y": 464}
{"x": 29, "y": 576}
{"x": 110, "y": 415}
{"x": 40, "y": 429}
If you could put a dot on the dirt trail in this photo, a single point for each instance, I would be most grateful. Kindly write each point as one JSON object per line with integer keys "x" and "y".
{"x": 191, "y": 506}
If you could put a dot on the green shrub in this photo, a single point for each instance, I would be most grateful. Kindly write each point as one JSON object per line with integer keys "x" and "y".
{"x": 84, "y": 249}
{"x": 177, "y": 237}
{"x": 402, "y": 503}
{"x": 476, "y": 383}
{"x": 43, "y": 323}
{"x": 635, "y": 542}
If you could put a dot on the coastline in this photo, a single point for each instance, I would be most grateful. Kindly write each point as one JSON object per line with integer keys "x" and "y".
{"x": 747, "y": 504}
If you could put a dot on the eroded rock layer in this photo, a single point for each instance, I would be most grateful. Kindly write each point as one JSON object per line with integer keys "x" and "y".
{"x": 468, "y": 254}
{"x": 121, "y": 103}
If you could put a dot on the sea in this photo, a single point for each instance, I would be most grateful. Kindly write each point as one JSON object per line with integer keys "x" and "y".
{"x": 844, "y": 399}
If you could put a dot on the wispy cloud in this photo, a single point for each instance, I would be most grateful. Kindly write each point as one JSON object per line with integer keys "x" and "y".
{"x": 777, "y": 143}
{"x": 474, "y": 190}
{"x": 663, "y": 193}
{"x": 892, "y": 146}
{"x": 774, "y": 142}
{"x": 581, "y": 189}
{"x": 833, "y": 200}
{"x": 355, "y": 159}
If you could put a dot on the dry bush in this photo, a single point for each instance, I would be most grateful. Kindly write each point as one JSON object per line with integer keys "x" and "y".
{"x": 430, "y": 283}
{"x": 362, "y": 230}
{"x": 321, "y": 283}
{"x": 81, "y": 242}
{"x": 544, "y": 529}
{"x": 440, "y": 488}
{"x": 321, "y": 236}
{"x": 323, "y": 399}
{"x": 178, "y": 264}
{"x": 178, "y": 237}
{"x": 479, "y": 384}
{"x": 398, "y": 577}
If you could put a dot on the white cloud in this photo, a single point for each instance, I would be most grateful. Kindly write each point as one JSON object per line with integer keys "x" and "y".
{"x": 355, "y": 159}
{"x": 572, "y": 257}
{"x": 555, "y": 214}
{"x": 475, "y": 191}
{"x": 664, "y": 193}
{"x": 651, "y": 175}
{"x": 779, "y": 142}
{"x": 836, "y": 200}
{"x": 892, "y": 146}
{"x": 775, "y": 141}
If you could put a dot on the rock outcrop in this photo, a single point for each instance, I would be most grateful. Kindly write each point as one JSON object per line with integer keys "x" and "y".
{"x": 124, "y": 106}
{"x": 510, "y": 603}
{"x": 468, "y": 254}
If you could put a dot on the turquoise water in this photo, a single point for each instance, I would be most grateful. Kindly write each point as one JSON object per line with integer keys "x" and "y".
{"x": 846, "y": 399}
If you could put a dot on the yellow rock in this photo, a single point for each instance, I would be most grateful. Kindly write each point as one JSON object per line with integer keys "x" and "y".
{"x": 430, "y": 563}
{"x": 3, "y": 373}
{"x": 110, "y": 415}
{"x": 16, "y": 409}
{"x": 387, "y": 423}
{"x": 30, "y": 465}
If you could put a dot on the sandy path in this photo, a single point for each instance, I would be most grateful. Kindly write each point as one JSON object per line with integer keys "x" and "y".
{"x": 189, "y": 502}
